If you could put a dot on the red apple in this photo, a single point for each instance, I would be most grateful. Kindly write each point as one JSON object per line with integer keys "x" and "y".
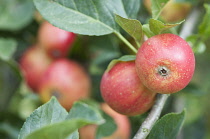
{"x": 123, "y": 130}
{"x": 165, "y": 63}
{"x": 55, "y": 41}
{"x": 67, "y": 80}
{"x": 123, "y": 91}
{"x": 33, "y": 64}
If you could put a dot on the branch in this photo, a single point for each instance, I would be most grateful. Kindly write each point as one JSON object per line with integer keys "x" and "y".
{"x": 190, "y": 23}
{"x": 152, "y": 117}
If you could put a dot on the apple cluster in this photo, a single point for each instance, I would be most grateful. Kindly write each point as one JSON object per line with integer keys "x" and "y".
{"x": 47, "y": 70}
{"x": 164, "y": 64}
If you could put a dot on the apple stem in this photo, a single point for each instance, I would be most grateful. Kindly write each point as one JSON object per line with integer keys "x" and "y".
{"x": 153, "y": 116}
{"x": 126, "y": 42}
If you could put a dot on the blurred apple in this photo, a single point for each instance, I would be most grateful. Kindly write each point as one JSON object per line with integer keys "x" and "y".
{"x": 55, "y": 41}
{"x": 66, "y": 80}
{"x": 173, "y": 11}
{"x": 33, "y": 64}
{"x": 123, "y": 126}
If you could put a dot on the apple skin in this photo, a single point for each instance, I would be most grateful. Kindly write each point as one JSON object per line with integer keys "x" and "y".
{"x": 123, "y": 130}
{"x": 66, "y": 80}
{"x": 165, "y": 63}
{"x": 173, "y": 11}
{"x": 123, "y": 91}
{"x": 33, "y": 63}
{"x": 55, "y": 41}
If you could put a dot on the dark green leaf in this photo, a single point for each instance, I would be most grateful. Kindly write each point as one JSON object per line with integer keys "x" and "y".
{"x": 204, "y": 28}
{"x": 10, "y": 79}
{"x": 89, "y": 17}
{"x": 131, "y": 7}
{"x": 131, "y": 26}
{"x": 121, "y": 59}
{"x": 7, "y": 48}
{"x": 15, "y": 14}
{"x": 49, "y": 113}
{"x": 157, "y": 6}
{"x": 168, "y": 126}
{"x": 157, "y": 27}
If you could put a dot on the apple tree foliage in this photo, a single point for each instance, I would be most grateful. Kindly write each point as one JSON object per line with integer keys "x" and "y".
{"x": 115, "y": 28}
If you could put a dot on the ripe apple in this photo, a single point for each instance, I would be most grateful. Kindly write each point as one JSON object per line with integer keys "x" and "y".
{"x": 55, "y": 41}
{"x": 123, "y": 91}
{"x": 33, "y": 64}
{"x": 123, "y": 130}
{"x": 173, "y": 11}
{"x": 66, "y": 80}
{"x": 165, "y": 63}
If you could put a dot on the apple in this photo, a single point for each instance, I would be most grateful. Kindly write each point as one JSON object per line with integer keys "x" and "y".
{"x": 55, "y": 41}
{"x": 123, "y": 130}
{"x": 66, "y": 80}
{"x": 173, "y": 11}
{"x": 123, "y": 91}
{"x": 165, "y": 63}
{"x": 33, "y": 64}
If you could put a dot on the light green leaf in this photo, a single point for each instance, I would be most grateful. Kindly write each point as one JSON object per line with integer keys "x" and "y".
{"x": 59, "y": 130}
{"x": 132, "y": 26}
{"x": 157, "y": 6}
{"x": 168, "y": 126}
{"x": 83, "y": 111}
{"x": 49, "y": 113}
{"x": 204, "y": 28}
{"x": 89, "y": 17}
{"x": 7, "y": 48}
{"x": 158, "y": 27}
{"x": 74, "y": 135}
{"x": 15, "y": 14}
{"x": 80, "y": 115}
{"x": 147, "y": 31}
{"x": 121, "y": 59}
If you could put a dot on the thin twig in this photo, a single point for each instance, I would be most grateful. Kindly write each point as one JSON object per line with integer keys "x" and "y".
{"x": 152, "y": 117}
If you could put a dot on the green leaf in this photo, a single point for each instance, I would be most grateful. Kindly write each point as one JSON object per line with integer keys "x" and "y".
{"x": 107, "y": 128}
{"x": 158, "y": 27}
{"x": 74, "y": 135}
{"x": 7, "y": 48}
{"x": 168, "y": 126}
{"x": 157, "y": 6}
{"x": 49, "y": 113}
{"x": 89, "y": 17}
{"x": 59, "y": 130}
{"x": 83, "y": 111}
{"x": 124, "y": 58}
{"x": 80, "y": 115}
{"x": 197, "y": 44}
{"x": 204, "y": 28}
{"x": 147, "y": 31}
{"x": 131, "y": 7}
{"x": 10, "y": 79}
{"x": 15, "y": 14}
{"x": 131, "y": 26}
